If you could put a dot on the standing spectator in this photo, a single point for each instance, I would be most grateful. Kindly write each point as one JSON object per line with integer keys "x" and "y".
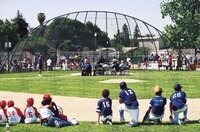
{"x": 128, "y": 102}
{"x": 30, "y": 113}
{"x": 170, "y": 62}
{"x": 145, "y": 61}
{"x": 40, "y": 64}
{"x": 104, "y": 108}
{"x": 3, "y": 115}
{"x": 14, "y": 114}
{"x": 178, "y": 105}
{"x": 159, "y": 63}
{"x": 157, "y": 107}
{"x": 49, "y": 64}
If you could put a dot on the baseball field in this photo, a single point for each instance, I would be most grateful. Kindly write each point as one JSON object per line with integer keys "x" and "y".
{"x": 78, "y": 96}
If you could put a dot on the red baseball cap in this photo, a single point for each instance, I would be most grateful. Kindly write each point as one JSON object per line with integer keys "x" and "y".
{"x": 30, "y": 102}
{"x": 10, "y": 103}
{"x": 46, "y": 96}
{"x": 2, "y": 103}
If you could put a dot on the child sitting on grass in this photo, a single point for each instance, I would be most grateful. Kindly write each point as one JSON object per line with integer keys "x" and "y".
{"x": 31, "y": 114}
{"x": 104, "y": 109}
{"x": 14, "y": 114}
{"x": 3, "y": 115}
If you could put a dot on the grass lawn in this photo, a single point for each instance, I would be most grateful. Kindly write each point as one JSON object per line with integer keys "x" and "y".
{"x": 116, "y": 127}
{"x": 61, "y": 83}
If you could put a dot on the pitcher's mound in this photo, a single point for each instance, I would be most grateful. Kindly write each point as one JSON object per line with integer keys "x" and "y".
{"x": 120, "y": 80}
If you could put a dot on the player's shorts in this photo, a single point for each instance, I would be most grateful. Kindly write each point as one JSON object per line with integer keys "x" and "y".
{"x": 153, "y": 117}
{"x": 105, "y": 118}
{"x": 181, "y": 110}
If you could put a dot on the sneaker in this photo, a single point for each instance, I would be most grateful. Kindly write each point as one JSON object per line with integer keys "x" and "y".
{"x": 156, "y": 122}
{"x": 57, "y": 124}
{"x": 74, "y": 121}
{"x": 108, "y": 122}
{"x": 131, "y": 124}
{"x": 122, "y": 120}
{"x": 183, "y": 121}
{"x": 171, "y": 119}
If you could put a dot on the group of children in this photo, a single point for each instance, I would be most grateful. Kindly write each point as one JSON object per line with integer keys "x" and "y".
{"x": 52, "y": 115}
{"x": 49, "y": 113}
{"x": 128, "y": 102}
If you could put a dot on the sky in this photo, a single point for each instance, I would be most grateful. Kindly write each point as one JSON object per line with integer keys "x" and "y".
{"x": 146, "y": 10}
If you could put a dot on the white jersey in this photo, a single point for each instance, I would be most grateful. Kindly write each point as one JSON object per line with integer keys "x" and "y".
{"x": 2, "y": 116}
{"x": 13, "y": 116}
{"x": 30, "y": 115}
{"x": 45, "y": 112}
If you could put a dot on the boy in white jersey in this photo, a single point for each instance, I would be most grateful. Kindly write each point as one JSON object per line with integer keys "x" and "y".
{"x": 3, "y": 116}
{"x": 30, "y": 112}
{"x": 14, "y": 114}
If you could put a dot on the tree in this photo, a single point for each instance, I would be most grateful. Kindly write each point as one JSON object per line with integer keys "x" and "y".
{"x": 186, "y": 16}
{"x": 41, "y": 18}
{"x": 21, "y": 25}
{"x": 125, "y": 36}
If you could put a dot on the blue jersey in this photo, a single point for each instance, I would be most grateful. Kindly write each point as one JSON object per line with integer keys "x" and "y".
{"x": 129, "y": 98}
{"x": 104, "y": 106}
{"x": 158, "y": 105}
{"x": 178, "y": 100}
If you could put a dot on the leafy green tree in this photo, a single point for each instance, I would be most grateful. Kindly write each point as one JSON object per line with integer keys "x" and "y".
{"x": 21, "y": 25}
{"x": 186, "y": 16}
{"x": 125, "y": 36}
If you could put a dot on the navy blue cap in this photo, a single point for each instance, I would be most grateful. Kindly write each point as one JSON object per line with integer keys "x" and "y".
{"x": 177, "y": 86}
{"x": 123, "y": 85}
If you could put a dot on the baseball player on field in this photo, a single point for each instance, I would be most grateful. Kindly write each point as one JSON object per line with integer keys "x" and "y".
{"x": 178, "y": 105}
{"x": 128, "y": 102}
{"x": 3, "y": 116}
{"x": 14, "y": 114}
{"x": 104, "y": 109}
{"x": 157, "y": 107}
{"x": 31, "y": 114}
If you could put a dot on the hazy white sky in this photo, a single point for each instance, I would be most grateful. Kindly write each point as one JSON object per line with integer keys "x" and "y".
{"x": 146, "y": 10}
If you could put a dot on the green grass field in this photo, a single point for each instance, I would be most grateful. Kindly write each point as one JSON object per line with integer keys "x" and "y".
{"x": 62, "y": 83}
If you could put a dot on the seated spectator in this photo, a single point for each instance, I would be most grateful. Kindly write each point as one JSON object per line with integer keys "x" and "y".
{"x": 122, "y": 67}
{"x": 157, "y": 107}
{"x": 14, "y": 114}
{"x": 87, "y": 69}
{"x": 96, "y": 67}
{"x": 3, "y": 115}
{"x": 102, "y": 60}
{"x": 31, "y": 114}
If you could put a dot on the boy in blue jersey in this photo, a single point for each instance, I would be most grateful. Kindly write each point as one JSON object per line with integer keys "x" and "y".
{"x": 104, "y": 109}
{"x": 128, "y": 102}
{"x": 157, "y": 107}
{"x": 178, "y": 105}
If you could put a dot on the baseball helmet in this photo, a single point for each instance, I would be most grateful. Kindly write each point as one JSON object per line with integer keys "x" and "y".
{"x": 177, "y": 87}
{"x": 2, "y": 103}
{"x": 30, "y": 102}
{"x": 10, "y": 103}
{"x": 46, "y": 96}
{"x": 123, "y": 85}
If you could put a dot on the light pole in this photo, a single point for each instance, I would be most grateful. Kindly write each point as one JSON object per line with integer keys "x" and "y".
{"x": 8, "y": 46}
{"x": 95, "y": 34}
{"x": 179, "y": 61}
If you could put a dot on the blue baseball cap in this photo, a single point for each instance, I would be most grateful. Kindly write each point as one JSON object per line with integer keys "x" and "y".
{"x": 177, "y": 86}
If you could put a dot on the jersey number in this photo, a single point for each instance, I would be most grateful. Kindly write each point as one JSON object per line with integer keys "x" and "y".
{"x": 11, "y": 113}
{"x": 30, "y": 114}
{"x": 106, "y": 104}
{"x": 177, "y": 95}
{"x": 129, "y": 92}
